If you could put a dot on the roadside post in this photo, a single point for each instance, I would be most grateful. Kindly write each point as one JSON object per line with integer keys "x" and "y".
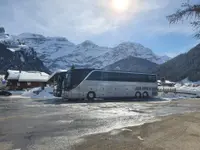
{"x": 162, "y": 82}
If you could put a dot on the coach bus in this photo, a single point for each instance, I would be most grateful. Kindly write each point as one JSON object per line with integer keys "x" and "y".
{"x": 89, "y": 84}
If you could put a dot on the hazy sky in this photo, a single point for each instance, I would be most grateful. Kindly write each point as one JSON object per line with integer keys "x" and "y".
{"x": 105, "y": 22}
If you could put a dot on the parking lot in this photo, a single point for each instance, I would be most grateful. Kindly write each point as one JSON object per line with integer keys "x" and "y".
{"x": 53, "y": 124}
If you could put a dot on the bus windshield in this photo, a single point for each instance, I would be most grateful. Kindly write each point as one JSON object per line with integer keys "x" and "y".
{"x": 67, "y": 81}
{"x": 74, "y": 77}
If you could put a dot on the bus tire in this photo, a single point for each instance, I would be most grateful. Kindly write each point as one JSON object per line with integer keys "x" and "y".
{"x": 91, "y": 96}
{"x": 145, "y": 95}
{"x": 138, "y": 95}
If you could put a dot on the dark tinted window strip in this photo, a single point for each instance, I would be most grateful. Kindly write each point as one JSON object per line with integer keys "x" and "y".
{"x": 123, "y": 77}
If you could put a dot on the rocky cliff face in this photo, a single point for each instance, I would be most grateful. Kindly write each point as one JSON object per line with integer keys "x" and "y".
{"x": 14, "y": 54}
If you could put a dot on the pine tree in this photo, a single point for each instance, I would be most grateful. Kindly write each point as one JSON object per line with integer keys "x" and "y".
{"x": 72, "y": 67}
{"x": 187, "y": 11}
{"x": 2, "y": 30}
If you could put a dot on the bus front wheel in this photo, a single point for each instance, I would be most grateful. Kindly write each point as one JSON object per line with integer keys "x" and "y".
{"x": 138, "y": 95}
{"x": 91, "y": 96}
{"x": 145, "y": 95}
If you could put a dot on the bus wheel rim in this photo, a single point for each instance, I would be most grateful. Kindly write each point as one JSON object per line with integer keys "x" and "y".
{"x": 145, "y": 94}
{"x": 137, "y": 94}
{"x": 91, "y": 95}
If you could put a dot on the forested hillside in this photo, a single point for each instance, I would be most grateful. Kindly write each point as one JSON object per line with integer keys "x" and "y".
{"x": 182, "y": 66}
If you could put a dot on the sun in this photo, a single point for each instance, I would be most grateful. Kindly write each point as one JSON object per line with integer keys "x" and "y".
{"x": 120, "y": 5}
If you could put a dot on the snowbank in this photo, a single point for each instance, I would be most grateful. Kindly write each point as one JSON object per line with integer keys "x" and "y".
{"x": 181, "y": 90}
{"x": 174, "y": 96}
{"x": 166, "y": 81}
{"x": 38, "y": 93}
{"x": 188, "y": 87}
{"x": 187, "y": 81}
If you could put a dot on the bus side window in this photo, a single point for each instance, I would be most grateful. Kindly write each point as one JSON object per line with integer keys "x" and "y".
{"x": 96, "y": 75}
{"x": 106, "y": 76}
{"x": 151, "y": 78}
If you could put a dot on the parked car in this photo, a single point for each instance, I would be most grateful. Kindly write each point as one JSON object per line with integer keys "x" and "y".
{"x": 5, "y": 93}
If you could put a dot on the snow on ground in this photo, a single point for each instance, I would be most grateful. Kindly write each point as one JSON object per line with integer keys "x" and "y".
{"x": 187, "y": 81}
{"x": 181, "y": 90}
{"x": 166, "y": 81}
{"x": 189, "y": 87}
{"x": 173, "y": 96}
{"x": 38, "y": 93}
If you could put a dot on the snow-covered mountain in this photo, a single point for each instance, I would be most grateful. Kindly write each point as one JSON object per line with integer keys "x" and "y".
{"x": 59, "y": 53}
{"x": 14, "y": 54}
{"x": 48, "y": 48}
{"x": 133, "y": 64}
{"x": 127, "y": 49}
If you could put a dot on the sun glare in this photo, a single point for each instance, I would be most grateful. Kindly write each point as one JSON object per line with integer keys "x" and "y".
{"x": 120, "y": 5}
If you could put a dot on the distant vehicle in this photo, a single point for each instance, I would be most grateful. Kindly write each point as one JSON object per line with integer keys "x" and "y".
{"x": 5, "y": 93}
{"x": 90, "y": 84}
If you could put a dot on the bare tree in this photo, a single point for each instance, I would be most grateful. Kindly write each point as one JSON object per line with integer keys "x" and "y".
{"x": 187, "y": 11}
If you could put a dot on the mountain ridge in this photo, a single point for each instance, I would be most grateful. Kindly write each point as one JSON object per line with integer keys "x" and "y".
{"x": 14, "y": 54}
{"x": 133, "y": 64}
{"x": 60, "y": 53}
{"x": 186, "y": 65}
{"x": 19, "y": 60}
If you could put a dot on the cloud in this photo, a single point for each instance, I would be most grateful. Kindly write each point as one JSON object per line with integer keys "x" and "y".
{"x": 154, "y": 23}
{"x": 81, "y": 19}
{"x": 143, "y": 22}
{"x": 66, "y": 16}
{"x": 156, "y": 29}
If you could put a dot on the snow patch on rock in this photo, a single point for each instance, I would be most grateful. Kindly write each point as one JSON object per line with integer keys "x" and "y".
{"x": 30, "y": 35}
{"x": 59, "y": 53}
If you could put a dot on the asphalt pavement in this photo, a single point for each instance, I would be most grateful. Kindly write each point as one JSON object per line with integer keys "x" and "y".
{"x": 53, "y": 124}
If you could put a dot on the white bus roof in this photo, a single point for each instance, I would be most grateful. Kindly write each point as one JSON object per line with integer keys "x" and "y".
{"x": 118, "y": 71}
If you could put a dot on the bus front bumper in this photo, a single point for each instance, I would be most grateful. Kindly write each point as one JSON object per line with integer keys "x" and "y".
{"x": 155, "y": 93}
{"x": 65, "y": 95}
